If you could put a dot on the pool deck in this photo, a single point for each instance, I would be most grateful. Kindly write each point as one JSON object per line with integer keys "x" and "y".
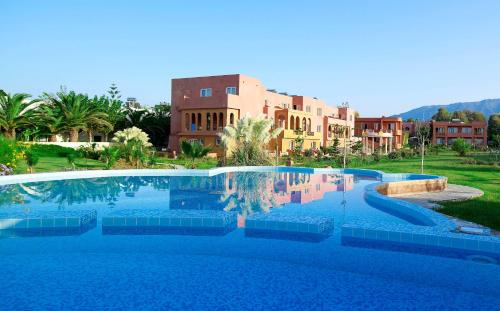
{"x": 432, "y": 199}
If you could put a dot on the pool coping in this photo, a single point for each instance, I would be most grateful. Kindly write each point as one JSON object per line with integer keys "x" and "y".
{"x": 439, "y": 230}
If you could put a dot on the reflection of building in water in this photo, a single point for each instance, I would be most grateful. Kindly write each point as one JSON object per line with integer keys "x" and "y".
{"x": 263, "y": 189}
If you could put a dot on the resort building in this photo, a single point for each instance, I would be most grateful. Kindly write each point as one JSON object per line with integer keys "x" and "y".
{"x": 203, "y": 106}
{"x": 383, "y": 132}
{"x": 445, "y": 132}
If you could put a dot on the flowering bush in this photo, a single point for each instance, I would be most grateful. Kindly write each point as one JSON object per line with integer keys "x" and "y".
{"x": 132, "y": 133}
{"x": 8, "y": 155}
{"x": 5, "y": 170}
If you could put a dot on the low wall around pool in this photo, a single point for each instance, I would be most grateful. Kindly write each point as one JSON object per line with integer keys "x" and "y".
{"x": 412, "y": 186}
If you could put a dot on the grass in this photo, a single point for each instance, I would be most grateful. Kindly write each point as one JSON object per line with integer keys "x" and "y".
{"x": 57, "y": 164}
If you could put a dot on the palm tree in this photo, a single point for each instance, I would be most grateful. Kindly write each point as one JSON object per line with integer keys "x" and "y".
{"x": 15, "y": 111}
{"x": 78, "y": 113}
{"x": 194, "y": 150}
{"x": 250, "y": 139}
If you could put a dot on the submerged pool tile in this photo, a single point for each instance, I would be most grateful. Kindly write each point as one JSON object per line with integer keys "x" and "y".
{"x": 34, "y": 223}
{"x": 471, "y": 244}
{"x": 394, "y": 236}
{"x": 485, "y": 246}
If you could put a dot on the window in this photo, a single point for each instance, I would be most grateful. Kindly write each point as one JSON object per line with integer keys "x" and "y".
{"x": 478, "y": 141}
{"x": 479, "y": 131}
{"x": 319, "y": 112}
{"x": 218, "y": 141}
{"x": 375, "y": 126}
{"x": 308, "y": 108}
{"x": 440, "y": 130}
{"x": 318, "y": 128}
{"x": 209, "y": 123}
{"x": 467, "y": 130}
{"x": 206, "y": 92}
{"x": 231, "y": 90}
{"x": 452, "y": 130}
{"x": 391, "y": 126}
{"x": 439, "y": 141}
{"x": 350, "y": 117}
{"x": 231, "y": 119}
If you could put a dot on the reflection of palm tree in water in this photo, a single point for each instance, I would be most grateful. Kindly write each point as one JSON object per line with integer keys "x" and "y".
{"x": 249, "y": 194}
{"x": 78, "y": 191}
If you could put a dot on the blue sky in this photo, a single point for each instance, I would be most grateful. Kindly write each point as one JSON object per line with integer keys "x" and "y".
{"x": 384, "y": 57}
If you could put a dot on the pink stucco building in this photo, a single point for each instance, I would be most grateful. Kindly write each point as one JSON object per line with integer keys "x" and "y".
{"x": 203, "y": 106}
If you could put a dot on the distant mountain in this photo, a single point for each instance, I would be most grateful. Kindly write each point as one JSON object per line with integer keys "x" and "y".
{"x": 487, "y": 107}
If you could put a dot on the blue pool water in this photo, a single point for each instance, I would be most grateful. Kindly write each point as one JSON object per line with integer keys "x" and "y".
{"x": 241, "y": 240}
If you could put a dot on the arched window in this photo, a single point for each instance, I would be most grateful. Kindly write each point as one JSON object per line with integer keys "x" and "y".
{"x": 292, "y": 123}
{"x": 186, "y": 121}
{"x": 209, "y": 121}
{"x": 215, "y": 122}
{"x": 199, "y": 122}
{"x": 304, "y": 124}
{"x": 297, "y": 123}
{"x": 193, "y": 122}
{"x": 309, "y": 125}
{"x": 231, "y": 119}
{"x": 329, "y": 131}
{"x": 221, "y": 120}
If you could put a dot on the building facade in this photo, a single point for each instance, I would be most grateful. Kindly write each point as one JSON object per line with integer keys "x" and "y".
{"x": 445, "y": 132}
{"x": 203, "y": 106}
{"x": 383, "y": 132}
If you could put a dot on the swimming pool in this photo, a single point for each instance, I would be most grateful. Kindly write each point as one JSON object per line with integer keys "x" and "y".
{"x": 233, "y": 238}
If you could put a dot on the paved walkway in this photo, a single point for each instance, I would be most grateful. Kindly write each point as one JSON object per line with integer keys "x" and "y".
{"x": 432, "y": 199}
{"x": 451, "y": 193}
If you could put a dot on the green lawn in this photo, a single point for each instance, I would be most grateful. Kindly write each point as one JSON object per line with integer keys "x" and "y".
{"x": 57, "y": 164}
{"x": 484, "y": 210}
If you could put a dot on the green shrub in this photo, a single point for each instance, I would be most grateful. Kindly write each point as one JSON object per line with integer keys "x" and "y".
{"x": 394, "y": 155}
{"x": 51, "y": 150}
{"x": 8, "y": 152}
{"x": 376, "y": 156}
{"x": 308, "y": 153}
{"x": 32, "y": 158}
{"x": 89, "y": 152}
{"x": 460, "y": 147}
{"x": 109, "y": 156}
{"x": 71, "y": 157}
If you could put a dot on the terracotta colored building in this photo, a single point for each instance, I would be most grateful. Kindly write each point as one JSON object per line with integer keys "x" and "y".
{"x": 445, "y": 133}
{"x": 203, "y": 106}
{"x": 374, "y": 132}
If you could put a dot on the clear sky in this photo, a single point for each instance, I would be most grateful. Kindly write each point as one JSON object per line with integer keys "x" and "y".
{"x": 384, "y": 57}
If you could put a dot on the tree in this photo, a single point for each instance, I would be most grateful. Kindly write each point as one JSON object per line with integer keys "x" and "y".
{"x": 249, "y": 140}
{"x": 460, "y": 147}
{"x": 15, "y": 111}
{"x": 442, "y": 115}
{"x": 493, "y": 126}
{"x": 423, "y": 134}
{"x": 77, "y": 113}
{"x": 194, "y": 150}
{"x": 460, "y": 115}
{"x": 357, "y": 147}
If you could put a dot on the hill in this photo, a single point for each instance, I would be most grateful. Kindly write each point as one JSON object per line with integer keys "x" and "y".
{"x": 487, "y": 107}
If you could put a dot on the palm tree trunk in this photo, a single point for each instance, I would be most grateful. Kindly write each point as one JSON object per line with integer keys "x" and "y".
{"x": 10, "y": 134}
{"x": 73, "y": 135}
{"x": 90, "y": 136}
